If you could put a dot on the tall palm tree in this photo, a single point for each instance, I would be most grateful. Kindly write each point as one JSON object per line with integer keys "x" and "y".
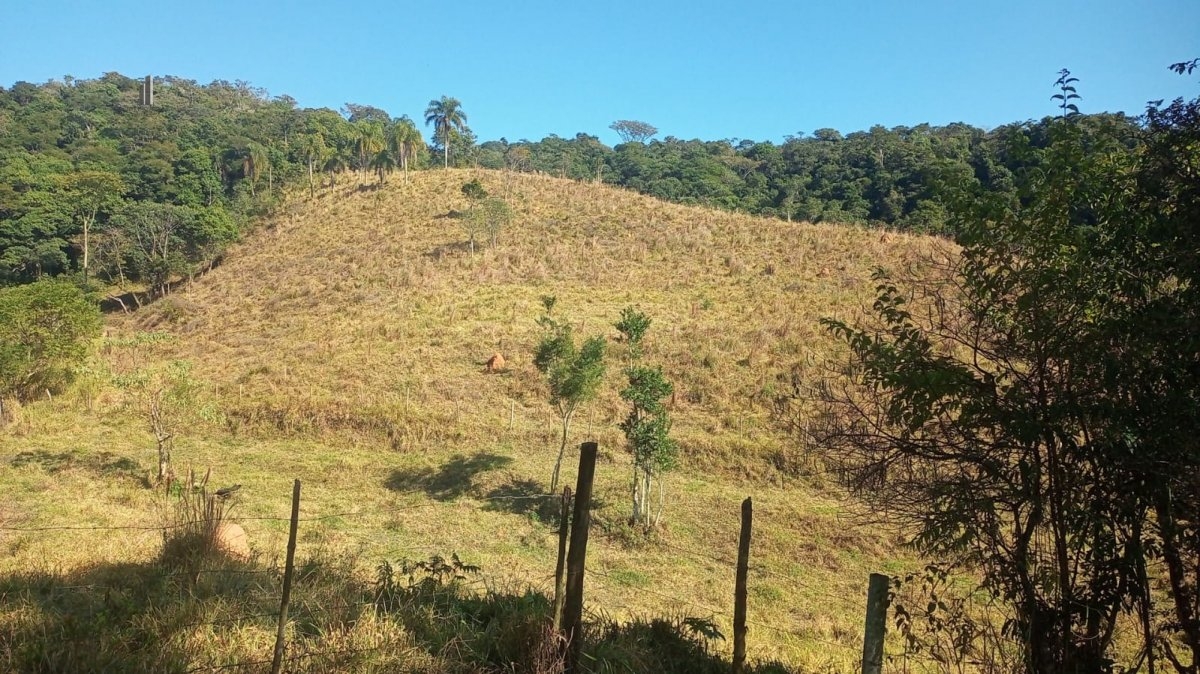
{"x": 405, "y": 141}
{"x": 255, "y": 161}
{"x": 383, "y": 163}
{"x": 313, "y": 150}
{"x": 368, "y": 141}
{"x": 446, "y": 115}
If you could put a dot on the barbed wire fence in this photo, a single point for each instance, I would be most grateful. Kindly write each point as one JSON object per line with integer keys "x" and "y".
{"x": 299, "y": 650}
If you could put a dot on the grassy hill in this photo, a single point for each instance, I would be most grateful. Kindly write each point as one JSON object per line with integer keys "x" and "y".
{"x": 344, "y": 344}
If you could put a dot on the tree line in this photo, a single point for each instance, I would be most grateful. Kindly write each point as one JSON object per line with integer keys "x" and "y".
{"x": 96, "y": 184}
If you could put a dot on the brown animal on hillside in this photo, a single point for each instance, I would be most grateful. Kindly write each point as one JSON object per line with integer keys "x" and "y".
{"x": 495, "y": 363}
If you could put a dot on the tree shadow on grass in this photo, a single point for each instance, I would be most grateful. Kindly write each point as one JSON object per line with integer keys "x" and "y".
{"x": 521, "y": 496}
{"x": 126, "y": 617}
{"x": 104, "y": 464}
{"x": 451, "y": 480}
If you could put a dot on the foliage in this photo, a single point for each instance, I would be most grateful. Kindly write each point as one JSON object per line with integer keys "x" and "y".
{"x": 170, "y": 400}
{"x": 474, "y": 191}
{"x": 647, "y": 431}
{"x": 633, "y": 326}
{"x": 209, "y": 147}
{"x": 45, "y": 331}
{"x": 573, "y": 374}
{"x": 1018, "y": 412}
{"x": 78, "y": 154}
{"x": 647, "y": 427}
{"x": 1066, "y": 93}
{"x": 632, "y": 131}
{"x": 447, "y": 117}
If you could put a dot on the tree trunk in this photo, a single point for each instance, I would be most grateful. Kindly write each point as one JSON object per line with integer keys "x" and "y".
{"x": 312, "y": 190}
{"x": 1182, "y": 592}
{"x": 662, "y": 502}
{"x": 637, "y": 489}
{"x": 562, "y": 450}
{"x": 87, "y": 228}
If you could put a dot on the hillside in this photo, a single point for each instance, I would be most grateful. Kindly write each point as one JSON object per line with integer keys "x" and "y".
{"x": 344, "y": 345}
{"x": 365, "y": 312}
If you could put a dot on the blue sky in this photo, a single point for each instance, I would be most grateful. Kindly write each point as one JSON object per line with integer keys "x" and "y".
{"x": 697, "y": 69}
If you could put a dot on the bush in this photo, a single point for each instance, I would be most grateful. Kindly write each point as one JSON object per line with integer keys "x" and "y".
{"x": 45, "y": 328}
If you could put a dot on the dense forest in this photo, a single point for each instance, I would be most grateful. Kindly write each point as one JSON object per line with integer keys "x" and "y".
{"x": 95, "y": 184}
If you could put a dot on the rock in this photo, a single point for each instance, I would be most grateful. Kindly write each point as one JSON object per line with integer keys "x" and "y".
{"x": 495, "y": 363}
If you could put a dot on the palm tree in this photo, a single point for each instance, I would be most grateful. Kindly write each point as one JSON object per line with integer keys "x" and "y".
{"x": 383, "y": 163}
{"x": 336, "y": 164}
{"x": 405, "y": 141}
{"x": 255, "y": 161}
{"x": 368, "y": 141}
{"x": 446, "y": 115}
{"x": 312, "y": 149}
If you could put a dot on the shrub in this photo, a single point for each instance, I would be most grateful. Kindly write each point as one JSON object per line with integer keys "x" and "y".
{"x": 45, "y": 329}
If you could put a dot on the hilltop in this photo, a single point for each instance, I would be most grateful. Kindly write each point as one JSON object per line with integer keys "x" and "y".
{"x": 344, "y": 343}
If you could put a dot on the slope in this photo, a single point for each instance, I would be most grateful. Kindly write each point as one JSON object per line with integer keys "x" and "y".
{"x": 344, "y": 344}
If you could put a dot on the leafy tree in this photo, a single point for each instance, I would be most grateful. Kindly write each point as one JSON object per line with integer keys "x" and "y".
{"x": 1149, "y": 356}
{"x": 573, "y": 373}
{"x": 632, "y": 131}
{"x": 647, "y": 427}
{"x": 487, "y": 215}
{"x": 92, "y": 191}
{"x": 45, "y": 331}
{"x": 447, "y": 116}
{"x": 171, "y": 400}
{"x": 356, "y": 112}
{"x": 383, "y": 163}
{"x": 473, "y": 190}
{"x": 1031, "y": 411}
{"x": 157, "y": 241}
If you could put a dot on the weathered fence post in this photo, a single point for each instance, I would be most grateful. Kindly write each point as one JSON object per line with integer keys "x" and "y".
{"x": 739, "y": 592}
{"x": 577, "y": 556}
{"x": 288, "y": 570}
{"x": 560, "y": 579}
{"x": 876, "y": 624}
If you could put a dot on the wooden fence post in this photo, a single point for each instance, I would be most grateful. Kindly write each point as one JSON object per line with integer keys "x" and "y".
{"x": 739, "y": 592}
{"x": 288, "y": 570}
{"x": 560, "y": 579}
{"x": 876, "y": 624}
{"x": 577, "y": 556}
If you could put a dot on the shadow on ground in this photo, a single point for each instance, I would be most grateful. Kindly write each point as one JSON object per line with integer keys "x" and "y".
{"x": 102, "y": 464}
{"x": 124, "y": 617}
{"x": 454, "y": 479}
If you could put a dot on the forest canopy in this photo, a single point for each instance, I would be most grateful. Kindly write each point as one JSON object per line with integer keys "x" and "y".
{"x": 81, "y": 160}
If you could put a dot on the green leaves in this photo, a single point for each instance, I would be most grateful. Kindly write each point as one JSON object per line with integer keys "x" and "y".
{"x": 45, "y": 329}
{"x": 647, "y": 427}
{"x": 574, "y": 374}
{"x": 633, "y": 326}
{"x": 1066, "y": 93}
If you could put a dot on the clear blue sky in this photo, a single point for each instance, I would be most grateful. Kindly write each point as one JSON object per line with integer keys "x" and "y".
{"x": 694, "y": 69}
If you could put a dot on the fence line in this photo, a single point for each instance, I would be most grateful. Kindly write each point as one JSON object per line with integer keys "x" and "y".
{"x": 274, "y": 573}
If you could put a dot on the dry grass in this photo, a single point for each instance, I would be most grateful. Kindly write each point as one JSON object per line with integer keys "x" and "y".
{"x": 345, "y": 344}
